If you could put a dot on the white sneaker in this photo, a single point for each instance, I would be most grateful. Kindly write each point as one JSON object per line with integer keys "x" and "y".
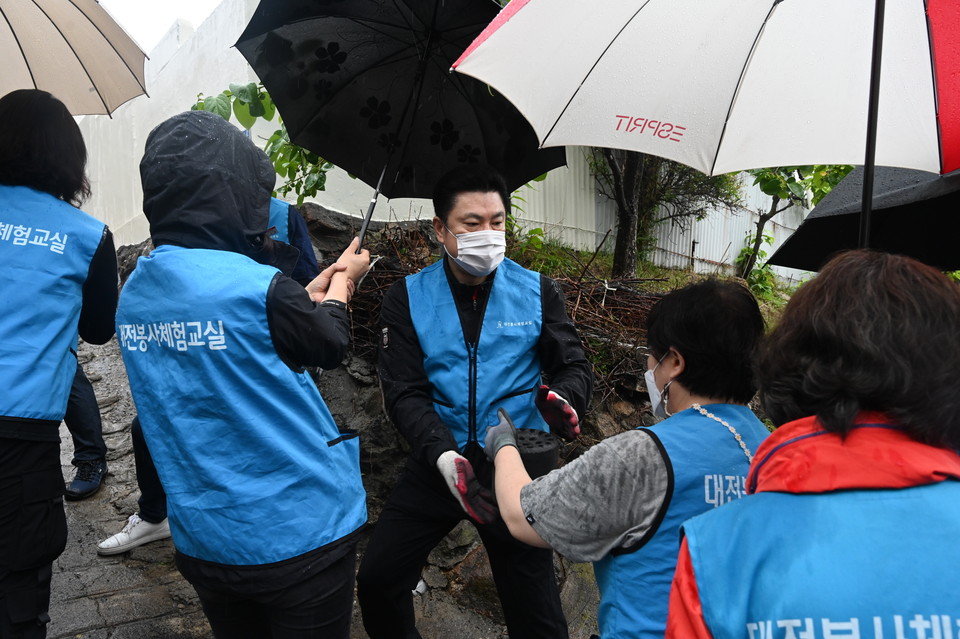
{"x": 136, "y": 533}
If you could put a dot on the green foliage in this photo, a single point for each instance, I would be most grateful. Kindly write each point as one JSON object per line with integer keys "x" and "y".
{"x": 760, "y": 279}
{"x": 803, "y": 185}
{"x": 953, "y": 275}
{"x": 304, "y": 171}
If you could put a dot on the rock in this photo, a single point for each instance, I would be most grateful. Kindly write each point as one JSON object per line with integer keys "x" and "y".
{"x": 455, "y": 547}
{"x": 623, "y": 409}
{"x": 107, "y": 400}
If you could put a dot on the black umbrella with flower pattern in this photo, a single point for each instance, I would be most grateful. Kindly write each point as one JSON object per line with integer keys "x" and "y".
{"x": 366, "y": 85}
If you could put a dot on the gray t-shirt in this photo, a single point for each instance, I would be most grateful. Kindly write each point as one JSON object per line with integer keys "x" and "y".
{"x": 608, "y": 498}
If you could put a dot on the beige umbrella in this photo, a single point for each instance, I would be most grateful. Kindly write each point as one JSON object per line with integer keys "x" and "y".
{"x": 71, "y": 48}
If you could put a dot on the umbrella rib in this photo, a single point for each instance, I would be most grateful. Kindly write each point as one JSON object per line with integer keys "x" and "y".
{"x": 573, "y": 95}
{"x": 743, "y": 72}
{"x": 19, "y": 46}
{"x": 936, "y": 92}
{"x": 113, "y": 46}
{"x": 82, "y": 65}
{"x": 415, "y": 94}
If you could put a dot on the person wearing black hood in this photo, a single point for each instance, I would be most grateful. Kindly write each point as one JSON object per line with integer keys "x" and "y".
{"x": 264, "y": 492}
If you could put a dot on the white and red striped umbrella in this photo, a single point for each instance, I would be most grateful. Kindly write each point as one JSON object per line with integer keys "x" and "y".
{"x": 727, "y": 85}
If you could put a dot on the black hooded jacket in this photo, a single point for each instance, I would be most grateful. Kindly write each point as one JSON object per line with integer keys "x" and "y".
{"x": 207, "y": 186}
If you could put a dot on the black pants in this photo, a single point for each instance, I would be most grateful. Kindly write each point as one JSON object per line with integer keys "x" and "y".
{"x": 83, "y": 421}
{"x": 153, "y": 500}
{"x": 33, "y": 532}
{"x": 419, "y": 513}
{"x": 310, "y": 597}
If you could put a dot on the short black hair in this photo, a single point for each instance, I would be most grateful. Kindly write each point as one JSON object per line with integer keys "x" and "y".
{"x": 468, "y": 178}
{"x": 872, "y": 332}
{"x": 716, "y": 326}
{"x": 42, "y": 146}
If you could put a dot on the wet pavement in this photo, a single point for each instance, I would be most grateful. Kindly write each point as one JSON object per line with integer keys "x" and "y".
{"x": 138, "y": 594}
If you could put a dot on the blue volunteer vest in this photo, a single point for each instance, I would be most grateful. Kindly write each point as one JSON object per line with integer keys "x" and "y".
{"x": 874, "y": 564}
{"x": 708, "y": 469}
{"x": 280, "y": 218}
{"x": 254, "y": 467}
{"x": 471, "y": 381}
{"x": 46, "y": 247}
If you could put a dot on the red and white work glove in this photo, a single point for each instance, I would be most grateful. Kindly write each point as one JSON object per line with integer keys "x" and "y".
{"x": 475, "y": 500}
{"x": 558, "y": 413}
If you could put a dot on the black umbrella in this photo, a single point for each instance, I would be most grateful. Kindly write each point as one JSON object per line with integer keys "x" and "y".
{"x": 915, "y": 213}
{"x": 366, "y": 85}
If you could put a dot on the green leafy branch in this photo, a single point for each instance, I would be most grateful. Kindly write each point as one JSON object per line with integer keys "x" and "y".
{"x": 304, "y": 172}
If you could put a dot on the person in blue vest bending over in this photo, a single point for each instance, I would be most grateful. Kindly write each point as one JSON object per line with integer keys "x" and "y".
{"x": 620, "y": 504}
{"x": 291, "y": 229}
{"x": 851, "y": 526}
{"x": 264, "y": 493}
{"x": 59, "y": 281}
{"x": 467, "y": 334}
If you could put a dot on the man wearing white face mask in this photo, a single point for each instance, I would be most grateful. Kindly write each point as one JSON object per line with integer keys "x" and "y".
{"x": 465, "y": 336}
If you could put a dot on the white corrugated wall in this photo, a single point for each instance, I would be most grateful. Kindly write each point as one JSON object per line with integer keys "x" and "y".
{"x": 711, "y": 245}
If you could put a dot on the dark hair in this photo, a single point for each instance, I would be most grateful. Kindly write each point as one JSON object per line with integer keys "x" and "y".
{"x": 875, "y": 332}
{"x": 716, "y": 326}
{"x": 468, "y": 178}
{"x": 42, "y": 146}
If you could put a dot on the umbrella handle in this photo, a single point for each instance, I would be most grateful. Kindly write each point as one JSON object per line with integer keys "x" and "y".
{"x": 366, "y": 220}
{"x": 373, "y": 204}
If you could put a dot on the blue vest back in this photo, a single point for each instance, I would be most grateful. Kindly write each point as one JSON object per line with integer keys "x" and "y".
{"x": 253, "y": 464}
{"x": 280, "y": 218}
{"x": 708, "y": 469}
{"x": 46, "y": 247}
{"x": 874, "y": 564}
{"x": 470, "y": 382}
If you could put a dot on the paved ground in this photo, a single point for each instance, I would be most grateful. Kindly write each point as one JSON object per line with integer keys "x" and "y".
{"x": 136, "y": 595}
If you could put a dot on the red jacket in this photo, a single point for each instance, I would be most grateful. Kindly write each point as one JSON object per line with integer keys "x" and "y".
{"x": 789, "y": 461}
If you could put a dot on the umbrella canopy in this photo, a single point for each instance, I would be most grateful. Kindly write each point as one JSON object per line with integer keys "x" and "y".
{"x": 366, "y": 85}
{"x": 72, "y": 49}
{"x": 731, "y": 84}
{"x": 915, "y": 214}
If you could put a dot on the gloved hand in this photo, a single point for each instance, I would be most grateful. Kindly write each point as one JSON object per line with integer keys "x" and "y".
{"x": 475, "y": 500}
{"x": 558, "y": 413}
{"x": 503, "y": 434}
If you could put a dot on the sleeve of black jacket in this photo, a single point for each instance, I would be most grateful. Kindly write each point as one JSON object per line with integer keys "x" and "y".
{"x": 97, "y": 314}
{"x": 565, "y": 365}
{"x": 406, "y": 389}
{"x": 306, "y": 333}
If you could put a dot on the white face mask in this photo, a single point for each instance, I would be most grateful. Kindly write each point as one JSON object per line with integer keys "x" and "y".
{"x": 657, "y": 404}
{"x": 479, "y": 252}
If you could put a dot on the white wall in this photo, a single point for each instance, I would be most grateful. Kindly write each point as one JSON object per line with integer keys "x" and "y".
{"x": 183, "y": 64}
{"x": 711, "y": 245}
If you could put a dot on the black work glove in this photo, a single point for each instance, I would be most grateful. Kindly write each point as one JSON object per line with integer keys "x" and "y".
{"x": 503, "y": 434}
{"x": 558, "y": 413}
{"x": 475, "y": 500}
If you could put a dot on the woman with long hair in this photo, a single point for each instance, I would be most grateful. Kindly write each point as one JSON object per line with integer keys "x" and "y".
{"x": 59, "y": 280}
